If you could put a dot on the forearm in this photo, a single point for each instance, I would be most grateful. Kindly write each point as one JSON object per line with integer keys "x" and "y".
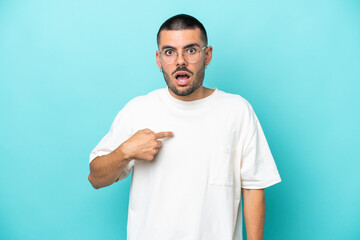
{"x": 254, "y": 213}
{"x": 143, "y": 145}
{"x": 105, "y": 170}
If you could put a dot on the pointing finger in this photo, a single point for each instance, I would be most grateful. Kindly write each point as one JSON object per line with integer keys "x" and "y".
{"x": 163, "y": 134}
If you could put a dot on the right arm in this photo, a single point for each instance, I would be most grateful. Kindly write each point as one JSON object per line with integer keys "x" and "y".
{"x": 143, "y": 145}
{"x": 105, "y": 170}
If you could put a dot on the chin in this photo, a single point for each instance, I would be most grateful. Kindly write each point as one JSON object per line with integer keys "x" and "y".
{"x": 182, "y": 91}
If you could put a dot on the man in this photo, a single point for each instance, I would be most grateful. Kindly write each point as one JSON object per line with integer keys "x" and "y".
{"x": 193, "y": 150}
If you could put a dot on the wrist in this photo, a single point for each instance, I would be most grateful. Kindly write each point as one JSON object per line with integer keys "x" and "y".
{"x": 122, "y": 154}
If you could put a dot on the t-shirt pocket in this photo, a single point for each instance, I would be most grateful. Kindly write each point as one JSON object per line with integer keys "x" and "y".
{"x": 221, "y": 168}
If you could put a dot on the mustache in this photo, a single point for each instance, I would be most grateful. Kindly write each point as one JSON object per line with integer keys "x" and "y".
{"x": 182, "y": 69}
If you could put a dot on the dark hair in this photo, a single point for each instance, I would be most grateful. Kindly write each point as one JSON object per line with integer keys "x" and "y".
{"x": 181, "y": 22}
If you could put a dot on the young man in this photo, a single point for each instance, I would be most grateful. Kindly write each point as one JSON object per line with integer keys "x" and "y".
{"x": 193, "y": 150}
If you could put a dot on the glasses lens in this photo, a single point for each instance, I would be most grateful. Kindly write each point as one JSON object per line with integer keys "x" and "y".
{"x": 168, "y": 55}
{"x": 191, "y": 55}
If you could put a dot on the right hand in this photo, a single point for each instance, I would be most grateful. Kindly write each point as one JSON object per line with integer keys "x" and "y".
{"x": 144, "y": 144}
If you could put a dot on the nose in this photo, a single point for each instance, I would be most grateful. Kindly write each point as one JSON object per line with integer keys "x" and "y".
{"x": 180, "y": 60}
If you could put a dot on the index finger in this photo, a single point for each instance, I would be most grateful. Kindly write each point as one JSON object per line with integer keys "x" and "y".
{"x": 163, "y": 134}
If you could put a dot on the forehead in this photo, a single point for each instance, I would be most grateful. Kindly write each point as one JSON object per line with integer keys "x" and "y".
{"x": 179, "y": 38}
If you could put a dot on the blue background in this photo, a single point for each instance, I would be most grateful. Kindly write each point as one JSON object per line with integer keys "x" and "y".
{"x": 67, "y": 68}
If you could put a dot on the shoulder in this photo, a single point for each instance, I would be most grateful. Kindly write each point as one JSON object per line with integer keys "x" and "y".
{"x": 138, "y": 105}
{"x": 234, "y": 102}
{"x": 237, "y": 108}
{"x": 144, "y": 101}
{"x": 240, "y": 110}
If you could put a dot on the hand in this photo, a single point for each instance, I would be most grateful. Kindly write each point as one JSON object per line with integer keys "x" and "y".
{"x": 144, "y": 144}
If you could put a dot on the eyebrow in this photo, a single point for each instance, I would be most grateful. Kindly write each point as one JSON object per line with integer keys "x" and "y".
{"x": 187, "y": 46}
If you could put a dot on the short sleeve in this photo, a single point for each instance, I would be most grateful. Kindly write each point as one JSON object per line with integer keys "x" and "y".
{"x": 119, "y": 132}
{"x": 258, "y": 168}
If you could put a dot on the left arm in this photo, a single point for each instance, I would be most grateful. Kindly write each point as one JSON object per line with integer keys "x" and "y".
{"x": 254, "y": 213}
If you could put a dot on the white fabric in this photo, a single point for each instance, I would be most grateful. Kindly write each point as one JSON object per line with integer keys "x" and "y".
{"x": 192, "y": 189}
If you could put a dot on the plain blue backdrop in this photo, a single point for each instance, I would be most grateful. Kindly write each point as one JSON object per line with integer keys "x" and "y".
{"x": 67, "y": 67}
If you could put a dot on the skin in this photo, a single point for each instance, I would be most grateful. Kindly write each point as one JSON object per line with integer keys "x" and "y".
{"x": 254, "y": 213}
{"x": 178, "y": 39}
{"x": 145, "y": 144}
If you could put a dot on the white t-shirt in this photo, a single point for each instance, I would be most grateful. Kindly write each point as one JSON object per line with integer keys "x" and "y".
{"x": 192, "y": 189}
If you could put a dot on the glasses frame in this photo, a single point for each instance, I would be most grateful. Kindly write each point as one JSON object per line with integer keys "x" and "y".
{"x": 177, "y": 55}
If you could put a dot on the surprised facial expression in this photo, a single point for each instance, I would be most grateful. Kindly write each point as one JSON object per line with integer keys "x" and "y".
{"x": 182, "y": 56}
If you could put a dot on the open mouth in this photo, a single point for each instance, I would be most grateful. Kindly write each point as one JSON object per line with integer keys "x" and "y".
{"x": 182, "y": 77}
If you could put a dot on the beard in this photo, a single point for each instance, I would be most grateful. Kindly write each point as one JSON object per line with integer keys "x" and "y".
{"x": 185, "y": 91}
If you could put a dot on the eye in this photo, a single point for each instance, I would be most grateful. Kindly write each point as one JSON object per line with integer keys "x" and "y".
{"x": 169, "y": 52}
{"x": 191, "y": 50}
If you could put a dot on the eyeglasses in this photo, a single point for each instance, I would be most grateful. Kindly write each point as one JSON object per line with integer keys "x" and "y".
{"x": 190, "y": 54}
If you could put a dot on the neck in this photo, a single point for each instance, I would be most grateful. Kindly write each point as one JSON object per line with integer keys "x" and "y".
{"x": 200, "y": 93}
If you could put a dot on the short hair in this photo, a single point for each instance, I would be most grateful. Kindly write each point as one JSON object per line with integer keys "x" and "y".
{"x": 182, "y": 22}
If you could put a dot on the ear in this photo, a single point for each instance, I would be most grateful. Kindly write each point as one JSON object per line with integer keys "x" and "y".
{"x": 158, "y": 62}
{"x": 208, "y": 55}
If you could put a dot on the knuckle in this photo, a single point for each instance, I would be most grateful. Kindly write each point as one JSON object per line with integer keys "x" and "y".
{"x": 146, "y": 130}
